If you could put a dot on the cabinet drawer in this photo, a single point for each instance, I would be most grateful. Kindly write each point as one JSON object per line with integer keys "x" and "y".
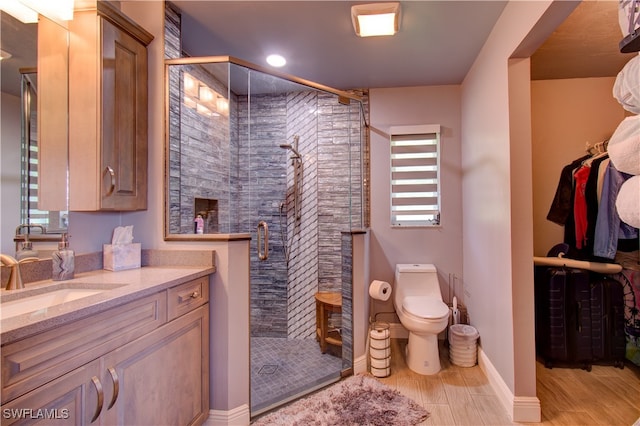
{"x": 31, "y": 362}
{"x": 188, "y": 296}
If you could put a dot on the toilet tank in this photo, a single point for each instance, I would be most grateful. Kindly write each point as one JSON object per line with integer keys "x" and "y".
{"x": 417, "y": 279}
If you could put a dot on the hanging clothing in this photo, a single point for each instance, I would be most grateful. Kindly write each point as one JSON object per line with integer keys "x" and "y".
{"x": 562, "y": 205}
{"x": 610, "y": 231}
{"x": 591, "y": 198}
{"x": 584, "y": 203}
{"x": 580, "y": 205}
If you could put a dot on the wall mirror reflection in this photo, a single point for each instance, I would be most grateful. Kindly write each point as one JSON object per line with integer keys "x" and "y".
{"x": 33, "y": 103}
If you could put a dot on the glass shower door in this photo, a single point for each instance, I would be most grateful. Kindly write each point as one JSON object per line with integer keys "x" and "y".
{"x": 296, "y": 212}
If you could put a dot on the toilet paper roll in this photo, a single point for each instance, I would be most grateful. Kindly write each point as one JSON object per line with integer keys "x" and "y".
{"x": 380, "y": 290}
{"x": 628, "y": 202}
{"x": 380, "y": 363}
{"x": 380, "y": 353}
{"x": 381, "y": 372}
{"x": 379, "y": 339}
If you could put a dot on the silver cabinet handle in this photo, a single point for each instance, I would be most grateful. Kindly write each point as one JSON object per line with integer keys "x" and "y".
{"x": 98, "y": 385}
{"x": 112, "y": 174}
{"x": 263, "y": 247}
{"x": 116, "y": 386}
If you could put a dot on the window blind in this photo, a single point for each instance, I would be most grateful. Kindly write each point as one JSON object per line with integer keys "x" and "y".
{"x": 415, "y": 176}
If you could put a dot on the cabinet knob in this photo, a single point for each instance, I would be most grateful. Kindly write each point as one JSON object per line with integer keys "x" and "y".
{"x": 195, "y": 295}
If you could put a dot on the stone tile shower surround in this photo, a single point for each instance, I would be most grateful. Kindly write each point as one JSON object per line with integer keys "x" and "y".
{"x": 326, "y": 134}
{"x": 252, "y": 181}
{"x": 237, "y": 161}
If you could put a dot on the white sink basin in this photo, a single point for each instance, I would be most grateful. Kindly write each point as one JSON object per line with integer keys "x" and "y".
{"x": 28, "y": 301}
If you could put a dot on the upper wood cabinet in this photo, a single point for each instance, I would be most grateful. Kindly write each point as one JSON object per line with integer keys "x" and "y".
{"x": 107, "y": 110}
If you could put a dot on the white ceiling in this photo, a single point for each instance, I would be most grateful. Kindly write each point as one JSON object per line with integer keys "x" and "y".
{"x": 437, "y": 42}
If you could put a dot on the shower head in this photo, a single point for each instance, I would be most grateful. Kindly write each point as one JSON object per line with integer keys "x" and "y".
{"x": 290, "y": 147}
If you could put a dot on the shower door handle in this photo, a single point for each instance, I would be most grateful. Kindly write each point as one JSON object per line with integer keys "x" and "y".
{"x": 263, "y": 247}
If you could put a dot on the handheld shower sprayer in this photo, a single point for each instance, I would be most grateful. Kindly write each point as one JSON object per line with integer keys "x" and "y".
{"x": 293, "y": 148}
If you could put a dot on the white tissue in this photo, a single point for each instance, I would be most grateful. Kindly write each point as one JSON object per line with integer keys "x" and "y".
{"x": 626, "y": 88}
{"x": 380, "y": 290}
{"x": 624, "y": 146}
{"x": 628, "y": 202}
{"x": 122, "y": 235}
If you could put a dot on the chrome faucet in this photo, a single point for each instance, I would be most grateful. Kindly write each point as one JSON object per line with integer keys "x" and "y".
{"x": 15, "y": 278}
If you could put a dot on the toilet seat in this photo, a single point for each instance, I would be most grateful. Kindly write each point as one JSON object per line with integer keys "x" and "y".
{"x": 424, "y": 307}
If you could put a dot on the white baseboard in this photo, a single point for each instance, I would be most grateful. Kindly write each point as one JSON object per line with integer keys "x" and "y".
{"x": 239, "y": 416}
{"x": 524, "y": 409}
{"x": 360, "y": 364}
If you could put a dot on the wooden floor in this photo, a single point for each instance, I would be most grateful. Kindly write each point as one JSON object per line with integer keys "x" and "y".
{"x": 462, "y": 395}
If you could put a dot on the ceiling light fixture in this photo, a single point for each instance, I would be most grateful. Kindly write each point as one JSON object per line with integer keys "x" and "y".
{"x": 276, "y": 61}
{"x": 376, "y": 19}
{"x": 27, "y": 10}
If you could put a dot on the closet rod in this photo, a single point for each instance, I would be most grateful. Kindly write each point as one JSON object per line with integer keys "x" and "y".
{"x": 601, "y": 268}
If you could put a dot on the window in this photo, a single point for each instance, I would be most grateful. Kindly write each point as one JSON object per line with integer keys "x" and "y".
{"x": 415, "y": 175}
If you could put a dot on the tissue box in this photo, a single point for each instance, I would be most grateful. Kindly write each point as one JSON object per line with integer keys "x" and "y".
{"x": 118, "y": 257}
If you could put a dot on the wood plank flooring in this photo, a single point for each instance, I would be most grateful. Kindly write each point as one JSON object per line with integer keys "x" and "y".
{"x": 463, "y": 396}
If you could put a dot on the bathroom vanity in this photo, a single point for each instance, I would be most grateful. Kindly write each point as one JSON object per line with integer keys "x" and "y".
{"x": 135, "y": 350}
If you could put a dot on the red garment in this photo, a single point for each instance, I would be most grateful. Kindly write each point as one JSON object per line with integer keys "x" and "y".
{"x": 580, "y": 205}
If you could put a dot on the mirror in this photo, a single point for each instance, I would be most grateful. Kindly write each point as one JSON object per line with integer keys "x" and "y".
{"x": 33, "y": 82}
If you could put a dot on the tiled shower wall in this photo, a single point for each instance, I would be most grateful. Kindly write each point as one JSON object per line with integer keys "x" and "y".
{"x": 329, "y": 142}
{"x": 242, "y": 153}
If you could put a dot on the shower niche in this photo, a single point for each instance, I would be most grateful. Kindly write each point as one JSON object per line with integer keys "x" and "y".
{"x": 207, "y": 209}
{"x": 278, "y": 158}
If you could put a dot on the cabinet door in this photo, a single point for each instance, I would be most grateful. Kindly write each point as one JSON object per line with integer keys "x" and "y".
{"x": 73, "y": 399}
{"x": 162, "y": 378}
{"x": 124, "y": 120}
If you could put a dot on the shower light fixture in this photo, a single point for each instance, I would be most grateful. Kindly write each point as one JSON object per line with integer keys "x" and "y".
{"x": 202, "y": 98}
{"x": 376, "y": 19}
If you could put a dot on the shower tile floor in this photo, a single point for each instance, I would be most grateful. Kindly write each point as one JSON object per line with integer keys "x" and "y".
{"x": 283, "y": 369}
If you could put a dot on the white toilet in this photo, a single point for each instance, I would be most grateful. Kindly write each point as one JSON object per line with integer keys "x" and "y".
{"x": 418, "y": 303}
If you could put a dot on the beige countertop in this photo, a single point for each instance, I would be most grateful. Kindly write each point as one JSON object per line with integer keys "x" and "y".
{"x": 122, "y": 287}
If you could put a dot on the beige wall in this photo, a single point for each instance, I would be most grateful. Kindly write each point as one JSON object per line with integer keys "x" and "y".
{"x": 492, "y": 256}
{"x": 566, "y": 115}
{"x": 441, "y": 245}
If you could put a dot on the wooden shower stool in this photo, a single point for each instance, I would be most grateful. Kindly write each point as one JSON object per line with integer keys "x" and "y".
{"x": 327, "y": 303}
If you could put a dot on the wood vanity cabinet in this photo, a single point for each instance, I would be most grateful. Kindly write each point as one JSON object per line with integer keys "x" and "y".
{"x": 108, "y": 98}
{"x": 143, "y": 363}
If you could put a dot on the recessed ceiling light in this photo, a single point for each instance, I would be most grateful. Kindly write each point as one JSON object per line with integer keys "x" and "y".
{"x": 276, "y": 60}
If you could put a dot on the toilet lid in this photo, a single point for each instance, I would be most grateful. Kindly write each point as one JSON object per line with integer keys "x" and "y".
{"x": 425, "y": 307}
